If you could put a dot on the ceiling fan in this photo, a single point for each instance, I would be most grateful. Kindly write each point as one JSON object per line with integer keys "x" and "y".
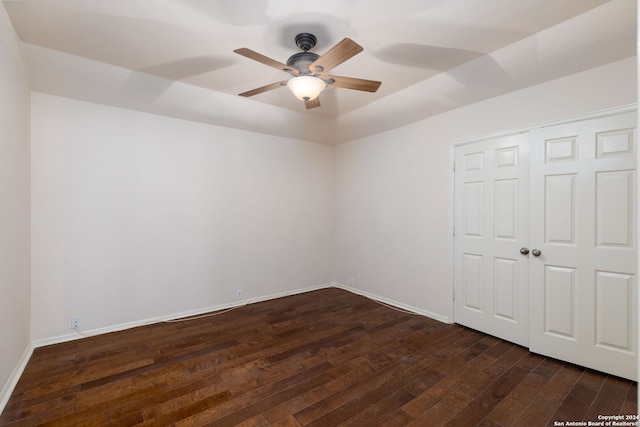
{"x": 309, "y": 70}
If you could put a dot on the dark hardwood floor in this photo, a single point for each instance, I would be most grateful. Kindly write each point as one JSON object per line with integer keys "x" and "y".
{"x": 323, "y": 358}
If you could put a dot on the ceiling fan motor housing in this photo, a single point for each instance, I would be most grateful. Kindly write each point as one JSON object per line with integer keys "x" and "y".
{"x": 301, "y": 60}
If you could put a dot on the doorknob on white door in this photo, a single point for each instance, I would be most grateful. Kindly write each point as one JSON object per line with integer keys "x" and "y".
{"x": 524, "y": 251}
{"x": 536, "y": 252}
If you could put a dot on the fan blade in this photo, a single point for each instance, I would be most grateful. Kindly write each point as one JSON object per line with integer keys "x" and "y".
{"x": 248, "y": 53}
{"x": 264, "y": 88}
{"x": 313, "y": 103}
{"x": 344, "y": 50}
{"x": 351, "y": 83}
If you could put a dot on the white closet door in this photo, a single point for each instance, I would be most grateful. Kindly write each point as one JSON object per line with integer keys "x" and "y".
{"x": 490, "y": 278}
{"x": 583, "y": 222}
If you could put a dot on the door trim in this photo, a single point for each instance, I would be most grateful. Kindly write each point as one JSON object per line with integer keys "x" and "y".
{"x": 565, "y": 120}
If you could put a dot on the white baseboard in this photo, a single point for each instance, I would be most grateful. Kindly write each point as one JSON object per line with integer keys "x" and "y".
{"x": 11, "y": 383}
{"x": 407, "y": 307}
{"x": 122, "y": 326}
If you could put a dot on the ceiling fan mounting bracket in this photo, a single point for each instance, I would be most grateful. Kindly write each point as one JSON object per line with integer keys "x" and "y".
{"x": 306, "y": 41}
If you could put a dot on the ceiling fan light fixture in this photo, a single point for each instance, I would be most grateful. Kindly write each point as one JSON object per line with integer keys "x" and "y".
{"x": 306, "y": 88}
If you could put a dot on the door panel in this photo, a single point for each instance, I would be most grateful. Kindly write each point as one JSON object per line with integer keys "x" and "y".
{"x": 612, "y": 318}
{"x": 583, "y": 220}
{"x": 491, "y": 275}
{"x": 472, "y": 292}
{"x": 473, "y": 209}
{"x": 614, "y": 209}
{"x": 506, "y": 209}
{"x": 560, "y": 301}
{"x": 560, "y": 211}
{"x": 505, "y": 278}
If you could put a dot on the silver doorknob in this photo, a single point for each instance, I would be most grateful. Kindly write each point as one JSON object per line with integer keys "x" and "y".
{"x": 524, "y": 251}
{"x": 536, "y": 252}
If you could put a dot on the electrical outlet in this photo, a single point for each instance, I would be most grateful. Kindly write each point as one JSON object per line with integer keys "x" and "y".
{"x": 75, "y": 322}
{"x": 350, "y": 281}
{"x": 239, "y": 294}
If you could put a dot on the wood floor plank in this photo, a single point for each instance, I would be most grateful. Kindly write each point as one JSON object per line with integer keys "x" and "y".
{"x": 322, "y": 358}
{"x": 455, "y": 371}
{"x": 610, "y": 398}
{"x": 513, "y": 405}
{"x": 332, "y": 408}
{"x": 494, "y": 394}
{"x": 630, "y": 405}
{"x": 548, "y": 400}
{"x": 455, "y": 403}
{"x": 259, "y": 400}
{"x": 580, "y": 398}
{"x": 381, "y": 411}
{"x": 289, "y": 421}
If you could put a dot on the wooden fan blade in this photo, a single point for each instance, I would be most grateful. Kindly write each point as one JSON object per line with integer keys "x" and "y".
{"x": 248, "y": 53}
{"x": 344, "y": 50}
{"x": 352, "y": 83}
{"x": 312, "y": 104}
{"x": 264, "y": 88}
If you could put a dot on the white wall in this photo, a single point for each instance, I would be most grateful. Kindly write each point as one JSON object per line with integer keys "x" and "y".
{"x": 14, "y": 204}
{"x": 137, "y": 215}
{"x": 393, "y": 191}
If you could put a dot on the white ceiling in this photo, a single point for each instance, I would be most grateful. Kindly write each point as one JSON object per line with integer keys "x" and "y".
{"x": 175, "y": 57}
